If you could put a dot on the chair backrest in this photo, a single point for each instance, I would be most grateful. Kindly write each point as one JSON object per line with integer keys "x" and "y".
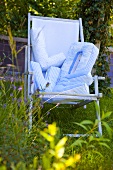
{"x": 59, "y": 33}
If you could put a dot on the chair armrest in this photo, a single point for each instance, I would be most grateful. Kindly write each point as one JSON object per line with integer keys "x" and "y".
{"x": 28, "y": 73}
{"x": 96, "y": 78}
{"x": 101, "y": 78}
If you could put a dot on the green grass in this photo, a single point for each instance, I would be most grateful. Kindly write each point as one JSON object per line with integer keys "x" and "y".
{"x": 65, "y": 118}
{"x": 17, "y": 144}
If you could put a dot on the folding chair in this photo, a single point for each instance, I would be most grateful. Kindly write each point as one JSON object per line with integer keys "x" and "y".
{"x": 62, "y": 38}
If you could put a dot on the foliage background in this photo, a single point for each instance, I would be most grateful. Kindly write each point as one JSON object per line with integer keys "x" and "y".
{"x": 96, "y": 15}
{"x": 14, "y": 13}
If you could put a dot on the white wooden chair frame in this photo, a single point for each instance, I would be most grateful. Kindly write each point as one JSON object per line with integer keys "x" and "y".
{"x": 79, "y": 99}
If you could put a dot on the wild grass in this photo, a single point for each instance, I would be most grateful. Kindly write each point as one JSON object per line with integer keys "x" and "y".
{"x": 18, "y": 144}
{"x": 44, "y": 146}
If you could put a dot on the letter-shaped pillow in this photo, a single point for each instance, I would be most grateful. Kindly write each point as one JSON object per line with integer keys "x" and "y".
{"x": 48, "y": 82}
{"x": 40, "y": 53}
{"x": 80, "y": 59}
{"x": 76, "y": 70}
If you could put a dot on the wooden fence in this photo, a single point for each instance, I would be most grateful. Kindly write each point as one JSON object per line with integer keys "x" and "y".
{"x": 6, "y": 54}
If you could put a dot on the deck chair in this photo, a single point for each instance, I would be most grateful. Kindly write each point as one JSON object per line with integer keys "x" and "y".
{"x": 59, "y": 63}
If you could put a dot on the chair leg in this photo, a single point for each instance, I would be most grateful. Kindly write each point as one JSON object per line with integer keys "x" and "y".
{"x": 98, "y": 117}
{"x": 30, "y": 114}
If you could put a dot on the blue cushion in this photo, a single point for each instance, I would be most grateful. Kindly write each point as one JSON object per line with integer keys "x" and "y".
{"x": 69, "y": 77}
{"x": 88, "y": 56}
{"x": 40, "y": 54}
{"x": 48, "y": 82}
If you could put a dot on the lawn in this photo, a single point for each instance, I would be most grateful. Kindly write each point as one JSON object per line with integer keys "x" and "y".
{"x": 19, "y": 147}
{"x": 66, "y": 118}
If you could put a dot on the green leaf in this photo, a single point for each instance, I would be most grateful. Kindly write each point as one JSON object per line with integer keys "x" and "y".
{"x": 3, "y": 167}
{"x": 86, "y": 122}
{"x": 91, "y": 138}
{"x": 104, "y": 144}
{"x": 78, "y": 142}
{"x": 35, "y": 162}
{"x": 79, "y": 124}
{"x": 96, "y": 123}
{"x": 105, "y": 115}
{"x": 46, "y": 161}
{"x": 108, "y": 128}
{"x": 97, "y": 108}
{"x": 98, "y": 153}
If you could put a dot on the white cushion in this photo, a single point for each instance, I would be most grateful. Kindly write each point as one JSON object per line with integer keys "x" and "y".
{"x": 52, "y": 76}
{"x": 48, "y": 82}
{"x": 77, "y": 65}
{"x": 40, "y": 53}
{"x": 65, "y": 84}
{"x": 40, "y": 82}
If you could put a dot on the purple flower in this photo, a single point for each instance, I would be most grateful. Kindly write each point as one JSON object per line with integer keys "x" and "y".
{"x": 14, "y": 87}
{"x": 20, "y": 89}
{"x": 25, "y": 100}
{"x": 19, "y": 100}
{"x": 12, "y": 79}
{"x": 14, "y": 99}
{"x": 11, "y": 94}
{"x": 48, "y": 113}
{"x": 4, "y": 105}
{"x": 46, "y": 123}
{"x": 41, "y": 104}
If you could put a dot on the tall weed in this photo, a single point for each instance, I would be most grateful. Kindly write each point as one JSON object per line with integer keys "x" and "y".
{"x": 43, "y": 146}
